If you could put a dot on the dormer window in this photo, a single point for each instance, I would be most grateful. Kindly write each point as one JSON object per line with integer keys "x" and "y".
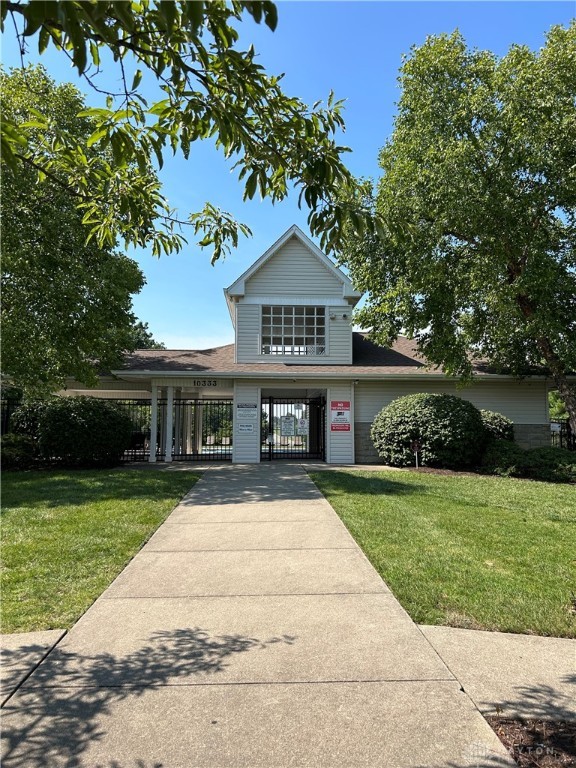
{"x": 297, "y": 330}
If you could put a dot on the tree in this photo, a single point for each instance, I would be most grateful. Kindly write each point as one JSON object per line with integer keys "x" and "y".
{"x": 66, "y": 304}
{"x": 210, "y": 90}
{"x": 556, "y": 407}
{"x": 476, "y": 258}
{"x": 142, "y": 338}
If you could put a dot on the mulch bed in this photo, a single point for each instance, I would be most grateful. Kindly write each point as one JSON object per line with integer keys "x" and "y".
{"x": 537, "y": 743}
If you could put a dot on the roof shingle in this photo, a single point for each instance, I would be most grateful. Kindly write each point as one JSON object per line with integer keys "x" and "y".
{"x": 369, "y": 358}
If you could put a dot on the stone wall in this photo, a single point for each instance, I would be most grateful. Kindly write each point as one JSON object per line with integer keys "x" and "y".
{"x": 532, "y": 435}
{"x": 364, "y": 450}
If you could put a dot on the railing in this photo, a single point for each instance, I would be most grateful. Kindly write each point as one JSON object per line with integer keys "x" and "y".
{"x": 201, "y": 430}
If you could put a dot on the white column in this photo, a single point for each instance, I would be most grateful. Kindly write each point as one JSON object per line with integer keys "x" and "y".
{"x": 198, "y": 426}
{"x": 178, "y": 423}
{"x": 169, "y": 422}
{"x": 189, "y": 428}
{"x": 153, "y": 424}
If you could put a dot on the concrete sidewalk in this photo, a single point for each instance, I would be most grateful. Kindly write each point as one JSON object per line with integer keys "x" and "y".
{"x": 250, "y": 631}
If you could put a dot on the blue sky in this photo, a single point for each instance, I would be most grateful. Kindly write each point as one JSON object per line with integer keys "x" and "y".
{"x": 354, "y": 48}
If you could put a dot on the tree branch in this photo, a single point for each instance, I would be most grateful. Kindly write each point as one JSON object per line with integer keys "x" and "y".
{"x": 53, "y": 177}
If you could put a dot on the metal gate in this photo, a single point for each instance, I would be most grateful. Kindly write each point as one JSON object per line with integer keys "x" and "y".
{"x": 202, "y": 430}
{"x": 293, "y": 428}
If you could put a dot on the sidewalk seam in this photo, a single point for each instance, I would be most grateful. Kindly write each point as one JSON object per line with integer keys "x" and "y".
{"x": 34, "y": 668}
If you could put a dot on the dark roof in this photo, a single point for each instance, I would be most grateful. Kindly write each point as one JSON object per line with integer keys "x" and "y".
{"x": 369, "y": 358}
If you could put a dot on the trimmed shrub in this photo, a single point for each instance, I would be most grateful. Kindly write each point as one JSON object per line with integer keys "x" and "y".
{"x": 556, "y": 465}
{"x": 503, "y": 458}
{"x": 26, "y": 419}
{"x": 497, "y": 426}
{"x": 84, "y": 431}
{"x": 17, "y": 451}
{"x": 449, "y": 430}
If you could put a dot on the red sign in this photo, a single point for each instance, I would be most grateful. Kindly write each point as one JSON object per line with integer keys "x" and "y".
{"x": 340, "y": 416}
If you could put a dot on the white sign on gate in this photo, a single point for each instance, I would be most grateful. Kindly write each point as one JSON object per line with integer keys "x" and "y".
{"x": 287, "y": 426}
{"x": 302, "y": 426}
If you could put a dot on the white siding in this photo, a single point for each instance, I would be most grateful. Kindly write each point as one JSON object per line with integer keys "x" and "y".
{"x": 247, "y": 333}
{"x": 293, "y": 270}
{"x": 340, "y": 445}
{"x": 339, "y": 333}
{"x": 524, "y": 402}
{"x": 246, "y": 447}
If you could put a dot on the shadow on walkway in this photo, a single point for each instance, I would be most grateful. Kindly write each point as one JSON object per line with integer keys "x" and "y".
{"x": 58, "y": 712}
{"x": 267, "y": 484}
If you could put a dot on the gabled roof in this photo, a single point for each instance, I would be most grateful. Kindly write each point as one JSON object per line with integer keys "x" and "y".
{"x": 238, "y": 286}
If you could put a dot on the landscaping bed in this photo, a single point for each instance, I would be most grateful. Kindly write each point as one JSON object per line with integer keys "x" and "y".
{"x": 462, "y": 550}
{"x": 537, "y": 743}
{"x": 67, "y": 534}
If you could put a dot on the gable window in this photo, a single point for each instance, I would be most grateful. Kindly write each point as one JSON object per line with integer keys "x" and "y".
{"x": 293, "y": 330}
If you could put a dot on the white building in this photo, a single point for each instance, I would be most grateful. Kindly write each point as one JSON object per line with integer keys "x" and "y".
{"x": 298, "y": 382}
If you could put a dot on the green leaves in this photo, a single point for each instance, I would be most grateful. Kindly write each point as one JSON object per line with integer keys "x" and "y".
{"x": 211, "y": 90}
{"x": 220, "y": 230}
{"x": 67, "y": 303}
{"x": 476, "y": 255}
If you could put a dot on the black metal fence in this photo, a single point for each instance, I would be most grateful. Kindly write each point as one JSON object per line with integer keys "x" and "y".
{"x": 6, "y": 410}
{"x": 562, "y": 436}
{"x": 293, "y": 428}
{"x": 201, "y": 430}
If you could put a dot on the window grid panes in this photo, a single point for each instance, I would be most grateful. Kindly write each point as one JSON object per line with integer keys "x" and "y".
{"x": 293, "y": 330}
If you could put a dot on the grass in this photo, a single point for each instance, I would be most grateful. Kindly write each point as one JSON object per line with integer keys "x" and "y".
{"x": 466, "y": 551}
{"x": 67, "y": 534}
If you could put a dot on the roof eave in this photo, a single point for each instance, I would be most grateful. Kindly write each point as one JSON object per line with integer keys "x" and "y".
{"x": 238, "y": 287}
{"x": 351, "y": 374}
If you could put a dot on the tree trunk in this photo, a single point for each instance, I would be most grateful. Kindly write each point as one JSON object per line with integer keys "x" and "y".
{"x": 558, "y": 371}
{"x": 554, "y": 363}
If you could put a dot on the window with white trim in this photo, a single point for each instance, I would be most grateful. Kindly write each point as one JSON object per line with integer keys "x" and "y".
{"x": 293, "y": 330}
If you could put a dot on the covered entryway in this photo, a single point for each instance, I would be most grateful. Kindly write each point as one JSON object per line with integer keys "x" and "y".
{"x": 293, "y": 428}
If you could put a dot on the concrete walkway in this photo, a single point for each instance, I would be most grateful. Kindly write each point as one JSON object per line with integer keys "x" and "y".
{"x": 250, "y": 631}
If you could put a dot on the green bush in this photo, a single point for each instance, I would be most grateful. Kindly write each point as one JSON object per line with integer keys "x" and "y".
{"x": 448, "y": 429}
{"x": 84, "y": 431}
{"x": 497, "y": 426}
{"x": 502, "y": 457}
{"x": 17, "y": 451}
{"x": 556, "y": 465}
{"x": 26, "y": 418}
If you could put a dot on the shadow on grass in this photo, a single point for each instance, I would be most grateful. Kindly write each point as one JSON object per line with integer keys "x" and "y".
{"x": 232, "y": 485}
{"x": 333, "y": 481}
{"x": 53, "y": 488}
{"x": 61, "y": 711}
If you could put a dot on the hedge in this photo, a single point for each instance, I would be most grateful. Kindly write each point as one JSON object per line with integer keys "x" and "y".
{"x": 448, "y": 430}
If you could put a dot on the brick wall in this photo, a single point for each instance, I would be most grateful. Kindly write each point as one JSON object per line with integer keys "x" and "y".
{"x": 532, "y": 435}
{"x": 364, "y": 450}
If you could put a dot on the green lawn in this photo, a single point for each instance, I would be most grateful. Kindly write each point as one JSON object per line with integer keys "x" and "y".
{"x": 67, "y": 534}
{"x": 466, "y": 551}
